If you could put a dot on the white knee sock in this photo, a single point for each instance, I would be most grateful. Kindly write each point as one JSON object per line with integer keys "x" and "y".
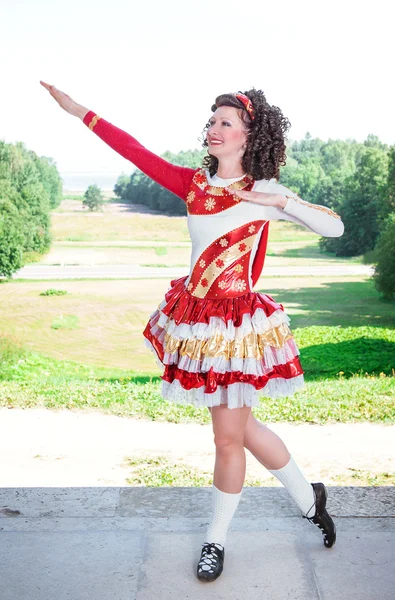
{"x": 297, "y": 485}
{"x": 224, "y": 506}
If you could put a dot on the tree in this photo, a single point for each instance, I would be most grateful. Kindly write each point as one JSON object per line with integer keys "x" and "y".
{"x": 384, "y": 253}
{"x": 121, "y": 185}
{"x": 93, "y": 198}
{"x": 11, "y": 238}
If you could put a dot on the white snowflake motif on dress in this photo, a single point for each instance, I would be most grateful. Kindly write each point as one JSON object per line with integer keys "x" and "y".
{"x": 240, "y": 285}
{"x": 223, "y": 242}
{"x": 251, "y": 229}
{"x": 191, "y": 197}
{"x": 202, "y": 263}
{"x": 238, "y": 268}
{"x": 222, "y": 285}
{"x": 209, "y": 204}
{"x": 190, "y": 286}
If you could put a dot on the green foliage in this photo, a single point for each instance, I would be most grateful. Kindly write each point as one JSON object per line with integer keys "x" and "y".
{"x": 11, "y": 238}
{"x": 54, "y": 292}
{"x": 346, "y": 350}
{"x": 158, "y": 471}
{"x": 29, "y": 187}
{"x": 31, "y": 257}
{"x": 384, "y": 252}
{"x": 121, "y": 185}
{"x": 50, "y": 179}
{"x": 364, "y": 206}
{"x": 93, "y": 198}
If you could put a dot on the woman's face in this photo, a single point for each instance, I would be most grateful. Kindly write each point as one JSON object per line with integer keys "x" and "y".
{"x": 227, "y": 134}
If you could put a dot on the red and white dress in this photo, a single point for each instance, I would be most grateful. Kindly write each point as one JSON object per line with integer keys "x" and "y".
{"x": 219, "y": 341}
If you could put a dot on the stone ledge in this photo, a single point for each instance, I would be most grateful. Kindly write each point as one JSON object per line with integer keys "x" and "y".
{"x": 183, "y": 502}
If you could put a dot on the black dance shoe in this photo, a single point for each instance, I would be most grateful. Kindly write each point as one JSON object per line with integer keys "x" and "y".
{"x": 211, "y": 561}
{"x": 321, "y": 518}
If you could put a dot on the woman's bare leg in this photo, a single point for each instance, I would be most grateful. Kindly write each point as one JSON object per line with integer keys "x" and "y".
{"x": 229, "y": 470}
{"x": 230, "y": 459}
{"x": 269, "y": 449}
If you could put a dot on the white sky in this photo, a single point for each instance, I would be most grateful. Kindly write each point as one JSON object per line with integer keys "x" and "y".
{"x": 154, "y": 68}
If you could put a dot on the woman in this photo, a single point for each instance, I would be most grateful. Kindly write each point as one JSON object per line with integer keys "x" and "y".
{"x": 221, "y": 344}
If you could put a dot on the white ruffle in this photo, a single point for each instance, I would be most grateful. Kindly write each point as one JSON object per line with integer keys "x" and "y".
{"x": 257, "y": 323}
{"x": 150, "y": 346}
{"x": 236, "y": 395}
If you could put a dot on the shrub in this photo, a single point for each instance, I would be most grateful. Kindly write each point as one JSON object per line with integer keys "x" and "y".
{"x": 384, "y": 270}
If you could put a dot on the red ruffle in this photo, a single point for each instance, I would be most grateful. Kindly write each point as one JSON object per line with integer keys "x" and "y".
{"x": 211, "y": 380}
{"x": 185, "y": 308}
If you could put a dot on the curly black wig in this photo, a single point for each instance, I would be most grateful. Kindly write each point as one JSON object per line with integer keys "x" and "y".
{"x": 265, "y": 148}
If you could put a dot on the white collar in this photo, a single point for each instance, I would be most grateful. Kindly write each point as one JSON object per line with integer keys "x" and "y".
{"x": 220, "y": 182}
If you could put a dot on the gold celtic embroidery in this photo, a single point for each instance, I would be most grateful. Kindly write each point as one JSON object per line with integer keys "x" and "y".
{"x": 317, "y": 206}
{"x": 209, "y": 204}
{"x": 191, "y": 197}
{"x": 93, "y": 122}
{"x": 240, "y": 285}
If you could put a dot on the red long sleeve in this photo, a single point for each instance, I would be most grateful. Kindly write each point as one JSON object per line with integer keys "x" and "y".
{"x": 174, "y": 178}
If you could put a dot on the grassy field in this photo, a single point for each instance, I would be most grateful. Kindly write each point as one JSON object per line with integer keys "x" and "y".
{"x": 84, "y": 349}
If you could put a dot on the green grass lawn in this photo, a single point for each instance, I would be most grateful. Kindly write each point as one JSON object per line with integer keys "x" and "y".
{"x": 345, "y": 333}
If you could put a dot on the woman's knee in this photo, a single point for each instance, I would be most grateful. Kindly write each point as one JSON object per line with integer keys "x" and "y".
{"x": 228, "y": 443}
{"x": 229, "y": 426}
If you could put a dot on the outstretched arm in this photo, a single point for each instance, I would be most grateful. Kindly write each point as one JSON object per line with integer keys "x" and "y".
{"x": 279, "y": 202}
{"x": 173, "y": 177}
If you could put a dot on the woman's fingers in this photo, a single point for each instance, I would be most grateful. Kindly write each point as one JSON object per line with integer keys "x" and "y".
{"x": 64, "y": 100}
{"x": 264, "y": 198}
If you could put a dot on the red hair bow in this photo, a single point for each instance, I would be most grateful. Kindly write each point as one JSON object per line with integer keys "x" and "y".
{"x": 247, "y": 103}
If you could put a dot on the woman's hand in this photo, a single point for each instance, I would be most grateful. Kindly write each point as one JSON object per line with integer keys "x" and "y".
{"x": 65, "y": 101}
{"x": 264, "y": 198}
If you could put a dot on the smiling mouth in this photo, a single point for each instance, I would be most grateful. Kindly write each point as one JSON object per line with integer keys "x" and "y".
{"x": 215, "y": 142}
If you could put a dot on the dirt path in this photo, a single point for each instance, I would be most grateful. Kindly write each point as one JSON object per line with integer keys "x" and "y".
{"x": 40, "y": 447}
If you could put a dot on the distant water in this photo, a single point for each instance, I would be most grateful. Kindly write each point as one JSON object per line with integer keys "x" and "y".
{"x": 76, "y": 182}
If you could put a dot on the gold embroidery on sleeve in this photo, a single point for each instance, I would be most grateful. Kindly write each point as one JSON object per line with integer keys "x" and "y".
{"x": 323, "y": 208}
{"x": 93, "y": 122}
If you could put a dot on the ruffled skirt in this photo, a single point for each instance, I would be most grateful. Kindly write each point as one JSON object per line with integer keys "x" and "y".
{"x": 227, "y": 351}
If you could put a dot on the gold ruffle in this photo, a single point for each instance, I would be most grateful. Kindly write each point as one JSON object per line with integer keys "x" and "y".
{"x": 251, "y": 346}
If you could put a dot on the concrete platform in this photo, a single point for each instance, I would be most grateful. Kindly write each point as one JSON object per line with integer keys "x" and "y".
{"x": 140, "y": 543}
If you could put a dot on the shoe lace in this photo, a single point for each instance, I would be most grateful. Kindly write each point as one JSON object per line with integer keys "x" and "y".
{"x": 210, "y": 548}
